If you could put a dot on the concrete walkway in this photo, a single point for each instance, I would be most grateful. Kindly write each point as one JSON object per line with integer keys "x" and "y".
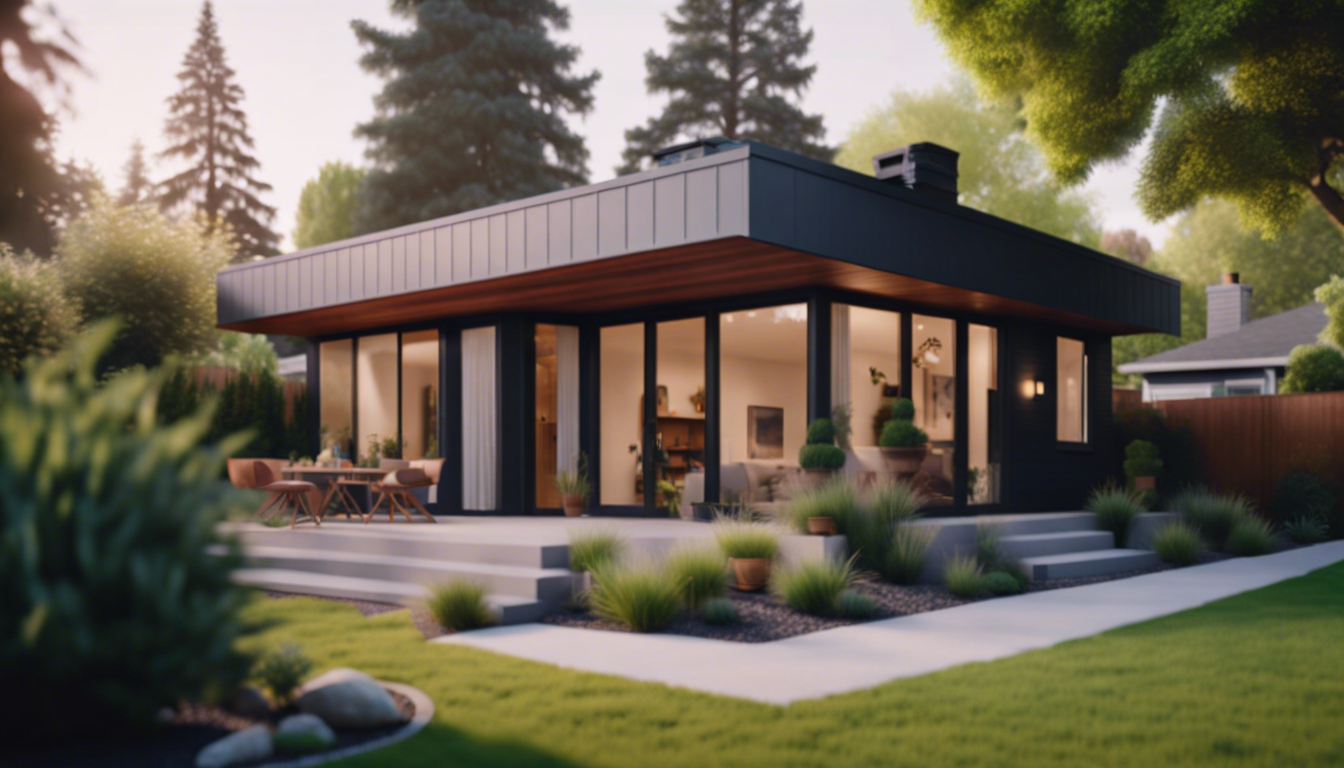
{"x": 864, "y": 655}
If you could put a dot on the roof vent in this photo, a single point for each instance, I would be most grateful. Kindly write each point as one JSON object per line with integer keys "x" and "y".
{"x": 692, "y": 149}
{"x": 924, "y": 167}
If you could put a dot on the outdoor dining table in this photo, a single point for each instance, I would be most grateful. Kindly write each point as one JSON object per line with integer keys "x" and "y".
{"x": 328, "y": 476}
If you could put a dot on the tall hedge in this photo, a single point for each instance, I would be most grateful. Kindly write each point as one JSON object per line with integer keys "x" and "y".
{"x": 36, "y": 318}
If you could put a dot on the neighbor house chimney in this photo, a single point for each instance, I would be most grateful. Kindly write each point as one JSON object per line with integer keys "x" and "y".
{"x": 923, "y": 167}
{"x": 1229, "y": 305}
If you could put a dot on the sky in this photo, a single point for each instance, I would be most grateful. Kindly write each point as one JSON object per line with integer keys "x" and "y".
{"x": 297, "y": 61}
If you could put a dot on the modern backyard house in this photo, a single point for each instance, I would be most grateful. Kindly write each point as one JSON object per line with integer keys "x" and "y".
{"x": 685, "y": 324}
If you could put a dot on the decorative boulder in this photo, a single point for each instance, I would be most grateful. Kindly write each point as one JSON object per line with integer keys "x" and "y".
{"x": 244, "y": 746}
{"x": 344, "y": 698}
{"x": 303, "y": 733}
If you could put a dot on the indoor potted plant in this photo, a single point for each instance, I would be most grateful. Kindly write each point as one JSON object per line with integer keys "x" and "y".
{"x": 820, "y": 456}
{"x": 574, "y": 488}
{"x": 904, "y": 446}
{"x": 1142, "y": 464}
{"x": 750, "y": 549}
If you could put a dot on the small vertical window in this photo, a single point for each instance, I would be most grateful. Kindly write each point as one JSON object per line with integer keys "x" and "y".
{"x": 1071, "y": 382}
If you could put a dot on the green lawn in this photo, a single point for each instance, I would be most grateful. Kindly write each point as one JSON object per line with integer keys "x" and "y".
{"x": 1254, "y": 680}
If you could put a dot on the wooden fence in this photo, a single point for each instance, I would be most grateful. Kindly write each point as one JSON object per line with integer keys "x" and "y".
{"x": 1247, "y": 444}
{"x": 218, "y": 376}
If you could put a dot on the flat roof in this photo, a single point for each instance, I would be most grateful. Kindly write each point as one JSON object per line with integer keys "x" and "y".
{"x": 745, "y": 219}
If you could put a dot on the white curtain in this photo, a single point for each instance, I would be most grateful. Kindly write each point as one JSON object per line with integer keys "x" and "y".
{"x": 840, "y": 392}
{"x": 567, "y": 398}
{"x": 479, "y": 420}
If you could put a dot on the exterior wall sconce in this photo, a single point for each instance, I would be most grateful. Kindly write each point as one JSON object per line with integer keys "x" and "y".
{"x": 1040, "y": 389}
{"x": 1033, "y": 389}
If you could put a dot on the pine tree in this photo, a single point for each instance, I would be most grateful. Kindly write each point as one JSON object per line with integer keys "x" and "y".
{"x": 472, "y": 111}
{"x": 208, "y": 129}
{"x": 137, "y": 187}
{"x": 729, "y": 72}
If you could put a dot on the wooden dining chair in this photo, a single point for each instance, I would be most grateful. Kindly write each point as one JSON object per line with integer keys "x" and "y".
{"x": 397, "y": 489}
{"x": 291, "y": 494}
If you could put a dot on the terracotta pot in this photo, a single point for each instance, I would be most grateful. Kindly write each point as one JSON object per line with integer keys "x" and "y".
{"x": 573, "y": 504}
{"x": 905, "y": 461}
{"x": 750, "y": 573}
{"x": 1145, "y": 483}
{"x": 821, "y": 526}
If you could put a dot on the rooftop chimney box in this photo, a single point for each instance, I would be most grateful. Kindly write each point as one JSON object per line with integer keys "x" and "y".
{"x": 691, "y": 150}
{"x": 1229, "y": 305}
{"x": 923, "y": 167}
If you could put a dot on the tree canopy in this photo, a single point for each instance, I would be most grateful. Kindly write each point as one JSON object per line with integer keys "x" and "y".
{"x": 207, "y": 129}
{"x": 327, "y": 205}
{"x": 472, "y": 110}
{"x": 999, "y": 172}
{"x": 731, "y": 71}
{"x": 1331, "y": 294}
{"x": 1245, "y": 98}
{"x": 136, "y": 187}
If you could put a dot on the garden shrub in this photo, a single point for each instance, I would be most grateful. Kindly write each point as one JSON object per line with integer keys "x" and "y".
{"x": 700, "y": 574}
{"x": 1302, "y": 494}
{"x": 1313, "y": 368}
{"x": 282, "y": 672}
{"x": 821, "y": 431}
{"x": 1001, "y": 583}
{"x": 963, "y": 576}
{"x": 719, "y": 612}
{"x": 252, "y": 403}
{"x": 1115, "y": 510}
{"x": 1175, "y": 444}
{"x": 1306, "y": 530}
{"x": 867, "y": 520}
{"x": 905, "y": 558}
{"x": 1213, "y": 515}
{"x": 1142, "y": 459}
{"x": 813, "y": 586}
{"x": 820, "y": 451}
{"x": 299, "y": 743}
{"x": 902, "y": 433}
{"x": 1251, "y": 537}
{"x": 852, "y": 604}
{"x": 744, "y": 541}
{"x": 1178, "y": 544}
{"x": 590, "y": 550}
{"x": 35, "y": 316}
{"x": 988, "y": 551}
{"x": 459, "y": 606}
{"x": 639, "y": 596}
{"x": 111, "y": 602}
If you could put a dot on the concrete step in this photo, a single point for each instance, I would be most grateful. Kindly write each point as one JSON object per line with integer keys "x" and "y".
{"x": 549, "y": 585}
{"x": 1098, "y": 563}
{"x": 417, "y": 541}
{"x": 1038, "y": 544}
{"x": 1031, "y": 524}
{"x": 507, "y": 608}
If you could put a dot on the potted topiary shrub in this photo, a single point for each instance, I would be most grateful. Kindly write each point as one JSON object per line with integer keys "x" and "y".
{"x": 574, "y": 488}
{"x": 904, "y": 446}
{"x": 820, "y": 457}
{"x": 1142, "y": 464}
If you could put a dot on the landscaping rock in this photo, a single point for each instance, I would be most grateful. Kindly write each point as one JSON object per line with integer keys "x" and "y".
{"x": 250, "y": 744}
{"x": 344, "y": 698}
{"x": 306, "y": 730}
{"x": 249, "y": 701}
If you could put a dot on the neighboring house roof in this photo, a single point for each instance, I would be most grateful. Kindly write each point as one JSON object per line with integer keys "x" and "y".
{"x": 294, "y": 366}
{"x": 1260, "y": 343}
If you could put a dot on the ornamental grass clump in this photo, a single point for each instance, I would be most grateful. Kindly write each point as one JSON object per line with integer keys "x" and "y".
{"x": 909, "y": 547}
{"x": 460, "y": 605}
{"x": 1213, "y": 515}
{"x": 1307, "y": 529}
{"x": 963, "y": 576}
{"x": 1251, "y": 537}
{"x": 1115, "y": 510}
{"x": 1178, "y": 544}
{"x": 282, "y": 672}
{"x": 639, "y": 595}
{"x": 836, "y": 498}
{"x": 699, "y": 573}
{"x": 746, "y": 541}
{"x": 719, "y": 612}
{"x": 590, "y": 550}
{"x": 852, "y": 604}
{"x": 116, "y": 596}
{"x": 814, "y": 586}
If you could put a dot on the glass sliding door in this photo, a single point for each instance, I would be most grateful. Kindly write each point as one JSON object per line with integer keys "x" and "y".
{"x": 480, "y": 419}
{"x": 420, "y": 395}
{"x": 763, "y": 399}
{"x": 983, "y": 415}
{"x": 377, "y": 388}
{"x": 336, "y": 379}
{"x": 557, "y": 408}
{"x": 865, "y": 373}
{"x": 621, "y": 376}
{"x": 933, "y": 389}
{"x": 680, "y": 431}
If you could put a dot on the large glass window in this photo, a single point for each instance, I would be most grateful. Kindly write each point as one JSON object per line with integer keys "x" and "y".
{"x": 933, "y": 389}
{"x": 557, "y": 408}
{"x": 982, "y": 412}
{"x": 865, "y": 372}
{"x": 680, "y": 428}
{"x": 376, "y": 385}
{"x": 480, "y": 432}
{"x": 1071, "y": 381}
{"x": 622, "y": 391}
{"x": 336, "y": 376}
{"x": 420, "y": 395}
{"x": 763, "y": 398}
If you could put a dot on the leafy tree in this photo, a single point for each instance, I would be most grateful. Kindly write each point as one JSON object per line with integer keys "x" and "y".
{"x": 208, "y": 130}
{"x": 247, "y": 353}
{"x": 471, "y": 114}
{"x": 1331, "y": 294}
{"x": 77, "y": 185}
{"x": 156, "y": 274}
{"x": 1128, "y": 245}
{"x": 137, "y": 188}
{"x": 1251, "y": 93}
{"x": 999, "y": 172}
{"x": 730, "y": 71}
{"x": 28, "y": 174}
{"x": 1314, "y": 368}
{"x": 35, "y": 316}
{"x": 327, "y": 205}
